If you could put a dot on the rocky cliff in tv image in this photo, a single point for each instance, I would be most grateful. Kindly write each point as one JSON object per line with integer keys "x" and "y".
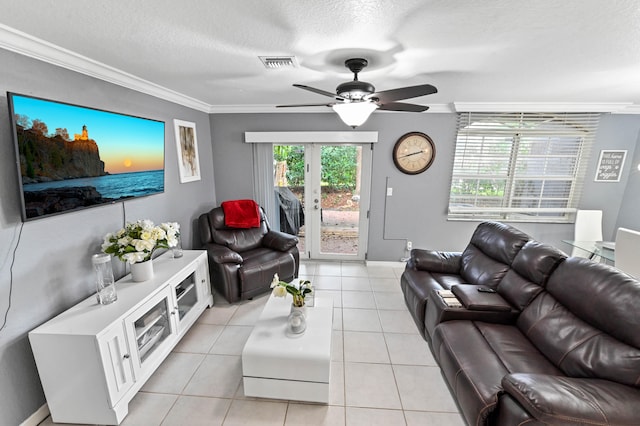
{"x": 47, "y": 158}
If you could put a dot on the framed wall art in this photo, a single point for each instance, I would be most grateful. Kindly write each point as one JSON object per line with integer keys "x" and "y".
{"x": 610, "y": 166}
{"x": 187, "y": 146}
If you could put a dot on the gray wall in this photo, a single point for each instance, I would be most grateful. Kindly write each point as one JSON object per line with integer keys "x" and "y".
{"x": 417, "y": 209}
{"x": 52, "y": 269}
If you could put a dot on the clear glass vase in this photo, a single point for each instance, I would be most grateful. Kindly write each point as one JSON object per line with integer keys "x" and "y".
{"x": 105, "y": 284}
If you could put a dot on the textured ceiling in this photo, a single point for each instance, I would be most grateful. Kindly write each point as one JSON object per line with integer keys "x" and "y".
{"x": 570, "y": 51}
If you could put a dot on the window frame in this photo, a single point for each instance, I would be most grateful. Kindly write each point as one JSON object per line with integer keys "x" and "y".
{"x": 480, "y": 156}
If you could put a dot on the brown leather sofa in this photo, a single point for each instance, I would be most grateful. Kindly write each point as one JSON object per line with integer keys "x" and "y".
{"x": 557, "y": 343}
{"x": 242, "y": 261}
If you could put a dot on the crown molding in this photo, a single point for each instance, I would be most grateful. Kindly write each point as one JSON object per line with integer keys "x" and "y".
{"x": 27, "y": 45}
{"x": 618, "y": 108}
{"x": 271, "y": 109}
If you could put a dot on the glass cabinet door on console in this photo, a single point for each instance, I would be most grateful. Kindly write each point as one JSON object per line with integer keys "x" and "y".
{"x": 189, "y": 294}
{"x": 152, "y": 330}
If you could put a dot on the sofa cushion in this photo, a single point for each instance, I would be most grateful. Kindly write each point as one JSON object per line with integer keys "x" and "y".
{"x": 260, "y": 265}
{"x": 529, "y": 273}
{"x": 475, "y": 356}
{"x": 552, "y": 399}
{"x": 488, "y": 256}
{"x": 587, "y": 322}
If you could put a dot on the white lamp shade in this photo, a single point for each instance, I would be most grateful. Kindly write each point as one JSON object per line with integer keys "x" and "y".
{"x": 354, "y": 114}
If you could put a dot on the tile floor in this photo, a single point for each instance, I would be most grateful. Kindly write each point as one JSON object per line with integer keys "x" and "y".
{"x": 382, "y": 371}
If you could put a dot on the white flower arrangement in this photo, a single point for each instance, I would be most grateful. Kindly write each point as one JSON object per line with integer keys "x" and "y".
{"x": 137, "y": 241}
{"x": 281, "y": 288}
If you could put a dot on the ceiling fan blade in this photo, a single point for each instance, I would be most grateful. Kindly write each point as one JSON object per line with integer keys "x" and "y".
{"x": 302, "y": 105}
{"x": 404, "y": 93}
{"x": 399, "y": 106}
{"x": 318, "y": 91}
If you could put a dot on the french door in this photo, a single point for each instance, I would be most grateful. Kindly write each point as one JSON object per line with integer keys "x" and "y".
{"x": 331, "y": 184}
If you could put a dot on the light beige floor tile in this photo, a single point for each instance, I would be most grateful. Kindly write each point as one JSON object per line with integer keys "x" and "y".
{"x": 373, "y": 417}
{"x": 174, "y": 373}
{"x": 247, "y": 412}
{"x": 421, "y": 418}
{"x": 197, "y": 411}
{"x": 423, "y": 389}
{"x": 327, "y": 283}
{"x": 329, "y": 268}
{"x": 336, "y": 384}
{"x": 336, "y": 295}
{"x": 397, "y": 322}
{"x": 390, "y": 301}
{"x": 385, "y": 284}
{"x": 365, "y": 347}
{"x": 354, "y": 270}
{"x": 217, "y": 376}
{"x": 358, "y": 299}
{"x": 307, "y": 268}
{"x": 199, "y": 339}
{"x": 218, "y": 314}
{"x": 408, "y": 349}
{"x": 356, "y": 284}
{"x": 337, "y": 348}
{"x": 231, "y": 340}
{"x": 337, "y": 318}
{"x": 370, "y": 386}
{"x": 381, "y": 272}
{"x": 314, "y": 415}
{"x": 398, "y": 271}
{"x": 361, "y": 320}
{"x": 148, "y": 409}
{"x": 248, "y": 312}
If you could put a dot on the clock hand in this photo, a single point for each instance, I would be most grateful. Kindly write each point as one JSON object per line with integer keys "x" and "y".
{"x": 413, "y": 153}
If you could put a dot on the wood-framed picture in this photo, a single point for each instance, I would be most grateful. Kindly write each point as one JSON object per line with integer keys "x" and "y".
{"x": 610, "y": 165}
{"x": 187, "y": 146}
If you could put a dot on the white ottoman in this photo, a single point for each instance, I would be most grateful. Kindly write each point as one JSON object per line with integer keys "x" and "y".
{"x": 276, "y": 364}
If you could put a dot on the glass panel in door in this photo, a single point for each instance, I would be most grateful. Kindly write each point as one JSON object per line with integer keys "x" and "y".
{"x": 289, "y": 182}
{"x": 340, "y": 199}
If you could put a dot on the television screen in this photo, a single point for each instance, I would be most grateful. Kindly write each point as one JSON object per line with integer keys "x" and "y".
{"x": 71, "y": 157}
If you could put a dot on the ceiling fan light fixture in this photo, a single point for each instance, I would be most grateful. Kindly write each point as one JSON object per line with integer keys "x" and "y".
{"x": 354, "y": 114}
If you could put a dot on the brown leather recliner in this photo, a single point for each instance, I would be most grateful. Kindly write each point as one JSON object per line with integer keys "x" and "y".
{"x": 242, "y": 261}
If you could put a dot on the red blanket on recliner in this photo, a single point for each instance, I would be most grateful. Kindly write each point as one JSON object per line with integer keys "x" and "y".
{"x": 241, "y": 214}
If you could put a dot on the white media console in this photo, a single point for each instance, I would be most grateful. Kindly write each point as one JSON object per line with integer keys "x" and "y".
{"x": 93, "y": 359}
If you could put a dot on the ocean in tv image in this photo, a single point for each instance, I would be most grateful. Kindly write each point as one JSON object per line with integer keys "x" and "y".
{"x": 73, "y": 157}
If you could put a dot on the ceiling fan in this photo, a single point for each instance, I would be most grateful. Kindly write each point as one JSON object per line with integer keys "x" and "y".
{"x": 355, "y": 100}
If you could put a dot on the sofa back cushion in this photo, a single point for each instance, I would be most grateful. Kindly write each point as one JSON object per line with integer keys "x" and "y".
{"x": 237, "y": 239}
{"x": 488, "y": 256}
{"x": 529, "y": 273}
{"x": 586, "y": 322}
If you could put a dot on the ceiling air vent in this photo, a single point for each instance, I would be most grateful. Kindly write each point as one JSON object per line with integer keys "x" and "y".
{"x": 278, "y": 62}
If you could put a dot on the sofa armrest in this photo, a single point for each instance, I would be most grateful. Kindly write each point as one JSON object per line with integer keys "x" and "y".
{"x": 279, "y": 241}
{"x": 475, "y": 298}
{"x": 436, "y": 261}
{"x": 438, "y": 311}
{"x": 222, "y": 254}
{"x": 572, "y": 401}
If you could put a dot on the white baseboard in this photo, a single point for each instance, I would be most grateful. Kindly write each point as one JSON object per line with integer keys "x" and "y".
{"x": 36, "y": 418}
{"x": 383, "y": 263}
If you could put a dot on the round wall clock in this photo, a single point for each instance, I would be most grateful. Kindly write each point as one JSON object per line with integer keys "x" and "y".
{"x": 414, "y": 153}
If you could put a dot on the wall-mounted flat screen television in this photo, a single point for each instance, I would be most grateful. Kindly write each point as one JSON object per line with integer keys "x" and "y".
{"x": 71, "y": 157}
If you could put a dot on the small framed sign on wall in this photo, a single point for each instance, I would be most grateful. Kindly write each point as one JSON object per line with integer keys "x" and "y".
{"x": 610, "y": 166}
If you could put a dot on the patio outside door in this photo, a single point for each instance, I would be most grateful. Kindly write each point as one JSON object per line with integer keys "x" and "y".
{"x": 331, "y": 183}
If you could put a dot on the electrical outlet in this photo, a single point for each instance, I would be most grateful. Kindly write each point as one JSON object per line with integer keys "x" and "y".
{"x": 409, "y": 245}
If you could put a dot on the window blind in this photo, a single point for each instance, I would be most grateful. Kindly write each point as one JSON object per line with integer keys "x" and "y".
{"x": 526, "y": 167}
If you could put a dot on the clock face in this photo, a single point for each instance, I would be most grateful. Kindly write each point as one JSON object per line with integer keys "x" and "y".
{"x": 414, "y": 153}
